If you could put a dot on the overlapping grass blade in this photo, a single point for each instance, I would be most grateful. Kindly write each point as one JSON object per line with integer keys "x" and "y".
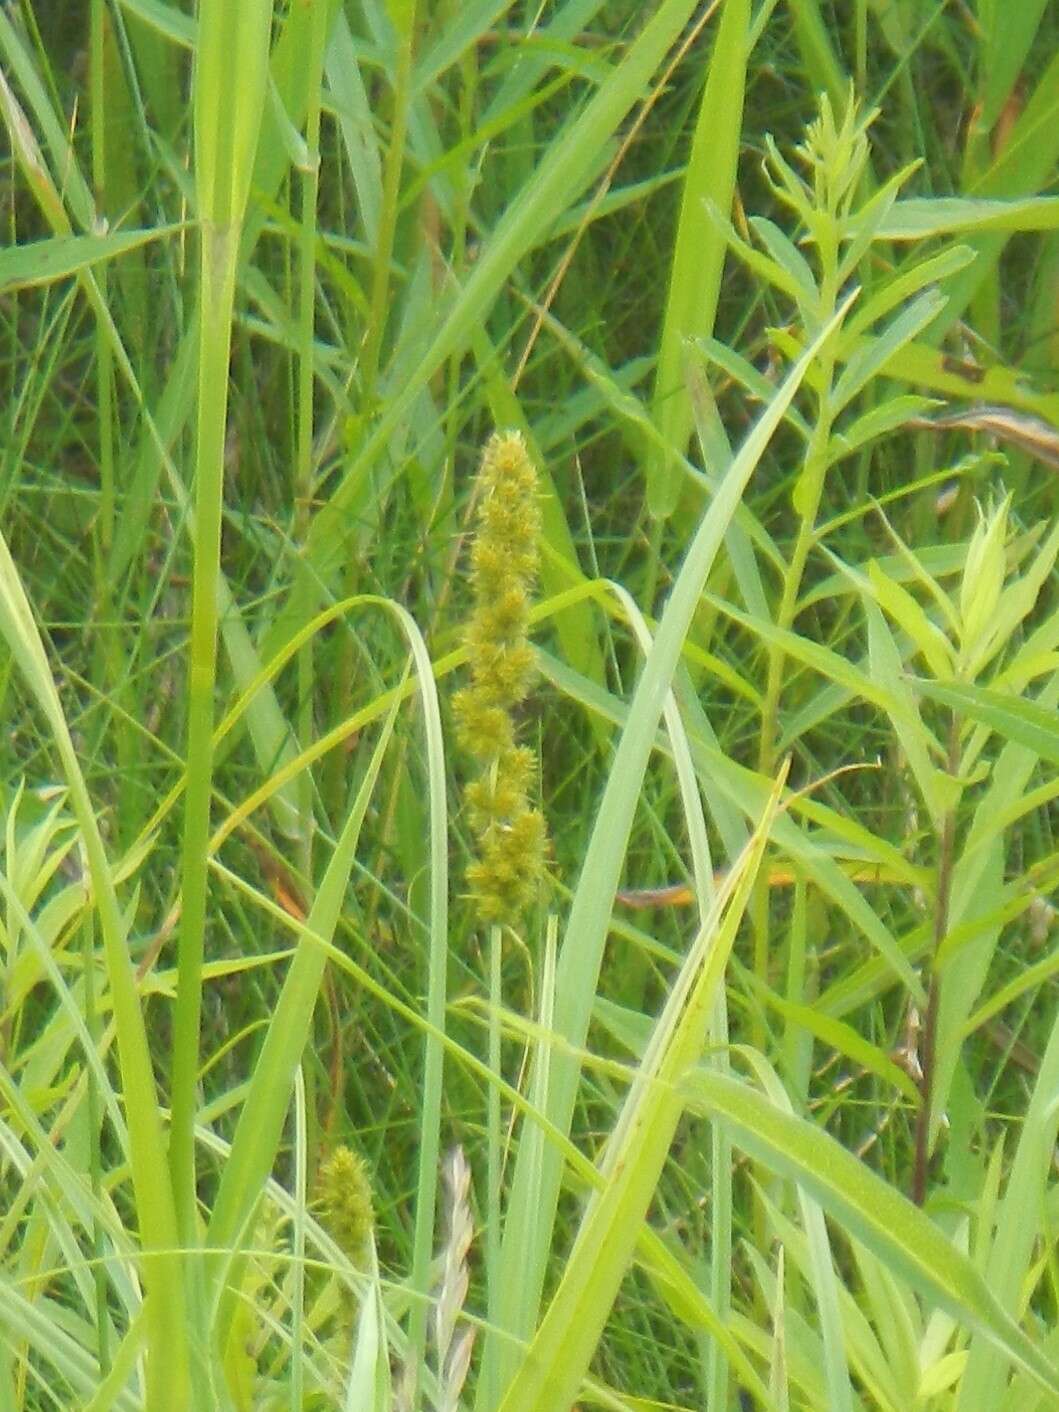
{"x": 227, "y": 121}
{"x": 527, "y": 1235}
{"x": 549, "y": 1376}
{"x": 264, "y": 1109}
{"x": 167, "y": 1366}
{"x": 699, "y": 249}
{"x": 568, "y": 164}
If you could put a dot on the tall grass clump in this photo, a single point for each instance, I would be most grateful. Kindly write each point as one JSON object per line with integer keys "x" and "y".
{"x": 315, "y": 1091}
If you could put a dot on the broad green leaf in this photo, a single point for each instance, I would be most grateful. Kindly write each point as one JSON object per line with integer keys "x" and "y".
{"x": 1008, "y": 34}
{"x": 167, "y": 20}
{"x": 885, "y": 1222}
{"x": 1022, "y": 165}
{"x": 228, "y": 116}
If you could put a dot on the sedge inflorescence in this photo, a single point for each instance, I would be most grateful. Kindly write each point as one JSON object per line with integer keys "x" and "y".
{"x": 344, "y": 1199}
{"x": 510, "y": 833}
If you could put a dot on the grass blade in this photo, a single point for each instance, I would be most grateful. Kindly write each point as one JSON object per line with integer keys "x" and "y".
{"x": 699, "y": 248}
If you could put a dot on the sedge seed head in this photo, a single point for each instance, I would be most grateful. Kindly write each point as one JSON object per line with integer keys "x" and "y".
{"x": 511, "y": 838}
{"x": 345, "y": 1201}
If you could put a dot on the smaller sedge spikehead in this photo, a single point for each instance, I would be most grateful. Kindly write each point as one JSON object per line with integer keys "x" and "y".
{"x": 504, "y": 560}
{"x": 346, "y": 1210}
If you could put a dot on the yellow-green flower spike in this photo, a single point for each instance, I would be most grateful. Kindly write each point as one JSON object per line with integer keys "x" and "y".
{"x": 344, "y": 1198}
{"x": 512, "y": 838}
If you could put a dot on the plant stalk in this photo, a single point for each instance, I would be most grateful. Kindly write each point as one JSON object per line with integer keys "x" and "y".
{"x": 928, "y": 1047}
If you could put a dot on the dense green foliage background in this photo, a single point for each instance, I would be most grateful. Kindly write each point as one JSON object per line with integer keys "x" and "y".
{"x": 396, "y": 227}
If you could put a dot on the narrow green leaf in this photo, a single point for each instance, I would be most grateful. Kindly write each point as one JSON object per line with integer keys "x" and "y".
{"x": 759, "y": 264}
{"x": 166, "y": 1364}
{"x": 264, "y": 1109}
{"x": 1017, "y": 1234}
{"x": 866, "y": 224}
{"x": 866, "y": 361}
{"x": 699, "y": 249}
{"x": 935, "y": 787}
{"x": 742, "y": 371}
{"x": 368, "y": 1387}
{"x": 879, "y": 421}
{"x": 784, "y": 251}
{"x": 920, "y": 217}
{"x": 906, "y": 283}
{"x": 43, "y": 261}
{"x": 842, "y": 1038}
{"x": 907, "y": 614}
{"x": 978, "y": 884}
{"x": 1012, "y": 717}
